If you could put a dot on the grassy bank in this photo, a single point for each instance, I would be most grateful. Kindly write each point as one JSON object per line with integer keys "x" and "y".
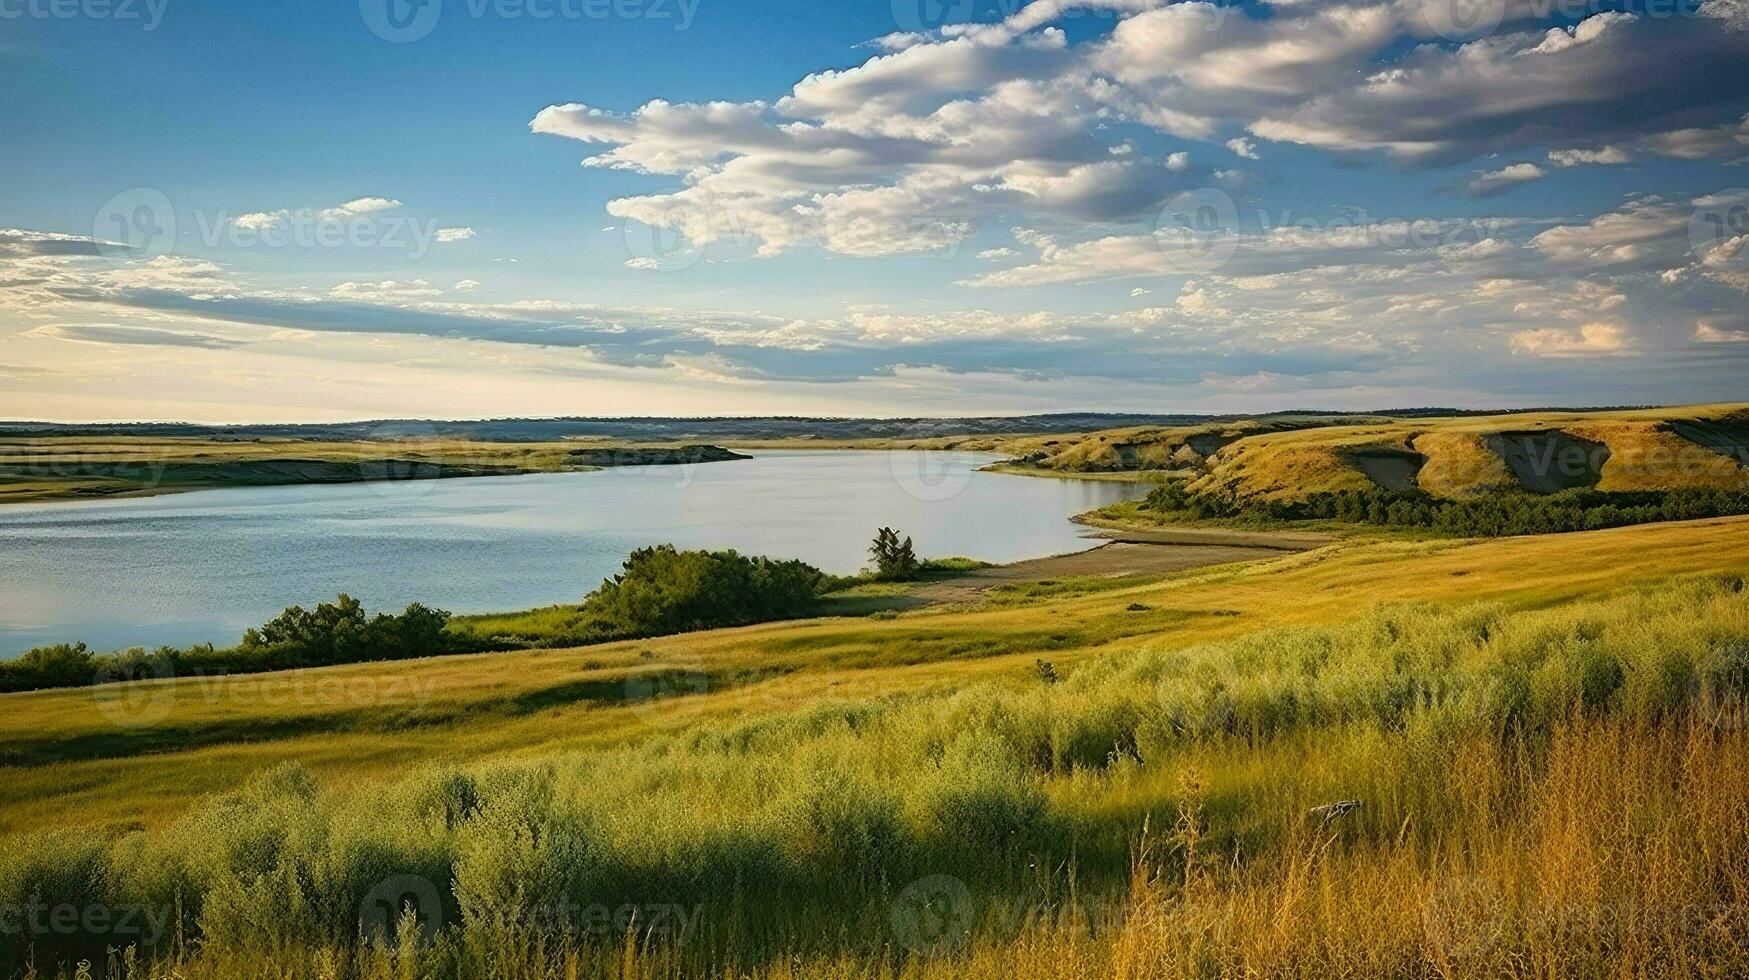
{"x": 1553, "y": 791}
{"x": 88, "y": 467}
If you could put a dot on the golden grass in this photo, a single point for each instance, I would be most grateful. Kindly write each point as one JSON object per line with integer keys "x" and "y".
{"x": 1605, "y": 840}
{"x": 1644, "y": 453}
{"x": 67, "y": 761}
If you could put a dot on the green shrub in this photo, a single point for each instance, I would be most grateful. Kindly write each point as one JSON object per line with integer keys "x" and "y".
{"x": 663, "y": 590}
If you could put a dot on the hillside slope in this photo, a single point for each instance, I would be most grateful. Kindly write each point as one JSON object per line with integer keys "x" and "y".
{"x": 1289, "y": 458}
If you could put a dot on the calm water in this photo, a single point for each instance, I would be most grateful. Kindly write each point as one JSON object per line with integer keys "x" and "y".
{"x": 200, "y": 567}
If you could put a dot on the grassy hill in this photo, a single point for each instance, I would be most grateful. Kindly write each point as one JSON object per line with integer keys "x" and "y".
{"x": 1542, "y": 735}
{"x": 1291, "y": 458}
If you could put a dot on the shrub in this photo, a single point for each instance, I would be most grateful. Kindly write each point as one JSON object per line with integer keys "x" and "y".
{"x": 664, "y": 590}
{"x": 332, "y": 633}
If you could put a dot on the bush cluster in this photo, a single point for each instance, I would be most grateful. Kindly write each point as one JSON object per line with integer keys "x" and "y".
{"x": 665, "y": 590}
{"x": 333, "y": 633}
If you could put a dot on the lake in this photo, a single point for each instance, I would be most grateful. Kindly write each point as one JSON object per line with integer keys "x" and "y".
{"x": 203, "y": 566}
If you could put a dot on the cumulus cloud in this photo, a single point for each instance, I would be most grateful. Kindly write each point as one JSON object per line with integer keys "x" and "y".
{"x": 1578, "y": 157}
{"x": 1729, "y": 141}
{"x": 939, "y": 132}
{"x": 1496, "y": 182}
{"x": 1706, "y": 333}
{"x": 1610, "y": 75}
{"x": 1587, "y": 340}
{"x": 448, "y": 235}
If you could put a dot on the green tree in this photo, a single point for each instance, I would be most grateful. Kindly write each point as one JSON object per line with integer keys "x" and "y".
{"x": 664, "y": 590}
{"x": 895, "y": 559}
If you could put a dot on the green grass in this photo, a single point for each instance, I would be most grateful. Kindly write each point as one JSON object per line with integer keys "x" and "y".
{"x": 83, "y": 467}
{"x": 798, "y": 828}
{"x": 1553, "y": 717}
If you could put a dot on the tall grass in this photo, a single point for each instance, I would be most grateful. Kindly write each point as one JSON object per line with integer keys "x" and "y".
{"x": 1562, "y": 792}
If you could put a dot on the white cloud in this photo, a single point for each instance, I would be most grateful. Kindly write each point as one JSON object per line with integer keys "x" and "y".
{"x": 257, "y": 221}
{"x": 1588, "y": 340}
{"x": 467, "y": 285}
{"x": 360, "y": 206}
{"x": 997, "y": 254}
{"x": 448, "y": 235}
{"x": 1578, "y": 157}
{"x": 1730, "y": 141}
{"x": 1706, "y": 333}
{"x": 643, "y": 262}
{"x": 1243, "y": 147}
{"x": 1496, "y": 182}
{"x": 388, "y": 290}
{"x": 1139, "y": 292}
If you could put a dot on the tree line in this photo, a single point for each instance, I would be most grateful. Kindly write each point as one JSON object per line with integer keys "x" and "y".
{"x": 1498, "y": 514}
{"x": 659, "y": 590}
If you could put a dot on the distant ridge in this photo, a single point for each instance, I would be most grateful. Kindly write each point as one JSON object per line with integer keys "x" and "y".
{"x": 719, "y": 427}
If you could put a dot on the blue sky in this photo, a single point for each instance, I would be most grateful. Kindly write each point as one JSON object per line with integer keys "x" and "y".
{"x": 893, "y": 207}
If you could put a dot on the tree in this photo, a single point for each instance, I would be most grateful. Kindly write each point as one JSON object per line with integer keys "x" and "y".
{"x": 895, "y": 560}
{"x": 664, "y": 590}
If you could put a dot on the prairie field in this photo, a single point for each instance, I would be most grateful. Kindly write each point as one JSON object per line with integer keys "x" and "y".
{"x": 1515, "y": 757}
